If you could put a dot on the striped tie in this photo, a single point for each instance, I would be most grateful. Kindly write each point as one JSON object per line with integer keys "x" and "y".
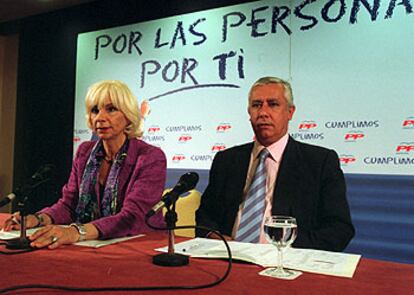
{"x": 252, "y": 215}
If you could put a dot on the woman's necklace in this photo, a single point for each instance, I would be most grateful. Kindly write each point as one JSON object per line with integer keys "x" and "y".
{"x": 108, "y": 160}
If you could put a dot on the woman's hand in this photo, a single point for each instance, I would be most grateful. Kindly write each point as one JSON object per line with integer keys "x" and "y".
{"x": 53, "y": 236}
{"x": 13, "y": 223}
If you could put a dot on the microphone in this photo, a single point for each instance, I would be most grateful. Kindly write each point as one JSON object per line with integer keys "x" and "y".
{"x": 10, "y": 197}
{"x": 187, "y": 182}
{"x": 41, "y": 176}
{"x": 43, "y": 173}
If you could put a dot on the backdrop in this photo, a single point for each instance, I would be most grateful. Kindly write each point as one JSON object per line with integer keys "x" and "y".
{"x": 349, "y": 62}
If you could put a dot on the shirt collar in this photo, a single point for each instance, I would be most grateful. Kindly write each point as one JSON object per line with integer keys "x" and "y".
{"x": 276, "y": 149}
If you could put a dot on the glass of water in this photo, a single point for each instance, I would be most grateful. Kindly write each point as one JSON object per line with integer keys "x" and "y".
{"x": 281, "y": 231}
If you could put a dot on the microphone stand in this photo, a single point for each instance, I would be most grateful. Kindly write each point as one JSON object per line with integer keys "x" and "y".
{"x": 170, "y": 258}
{"x": 21, "y": 243}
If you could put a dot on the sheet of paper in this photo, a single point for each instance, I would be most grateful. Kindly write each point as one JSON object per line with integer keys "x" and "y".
{"x": 309, "y": 260}
{"x": 323, "y": 262}
{"x": 90, "y": 243}
{"x": 210, "y": 248}
{"x": 14, "y": 233}
{"x": 101, "y": 243}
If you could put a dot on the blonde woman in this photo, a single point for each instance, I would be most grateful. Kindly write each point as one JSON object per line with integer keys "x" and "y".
{"x": 114, "y": 181}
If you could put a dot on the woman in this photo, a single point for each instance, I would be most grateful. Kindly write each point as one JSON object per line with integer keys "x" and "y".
{"x": 114, "y": 181}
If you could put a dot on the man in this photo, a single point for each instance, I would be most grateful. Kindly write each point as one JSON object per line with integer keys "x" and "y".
{"x": 301, "y": 180}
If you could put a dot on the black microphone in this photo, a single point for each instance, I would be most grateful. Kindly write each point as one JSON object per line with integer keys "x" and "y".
{"x": 186, "y": 182}
{"x": 44, "y": 172}
{"x": 10, "y": 197}
{"x": 41, "y": 176}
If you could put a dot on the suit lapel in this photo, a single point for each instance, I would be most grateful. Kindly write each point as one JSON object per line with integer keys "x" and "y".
{"x": 126, "y": 170}
{"x": 242, "y": 161}
{"x": 288, "y": 180}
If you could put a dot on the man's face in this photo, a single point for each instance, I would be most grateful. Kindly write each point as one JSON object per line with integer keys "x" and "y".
{"x": 269, "y": 112}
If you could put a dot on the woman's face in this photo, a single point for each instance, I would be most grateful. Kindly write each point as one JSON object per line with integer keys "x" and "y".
{"x": 108, "y": 122}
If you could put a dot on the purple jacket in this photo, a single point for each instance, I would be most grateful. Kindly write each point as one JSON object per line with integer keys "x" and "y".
{"x": 141, "y": 184}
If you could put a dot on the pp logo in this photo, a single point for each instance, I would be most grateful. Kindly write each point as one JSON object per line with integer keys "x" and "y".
{"x": 408, "y": 123}
{"x": 405, "y": 147}
{"x": 223, "y": 127}
{"x": 184, "y": 138}
{"x": 218, "y": 147}
{"x": 347, "y": 159}
{"x": 178, "y": 158}
{"x": 153, "y": 129}
{"x": 354, "y": 135}
{"x": 307, "y": 125}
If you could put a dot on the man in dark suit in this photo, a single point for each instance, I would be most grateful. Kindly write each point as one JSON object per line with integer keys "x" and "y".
{"x": 302, "y": 180}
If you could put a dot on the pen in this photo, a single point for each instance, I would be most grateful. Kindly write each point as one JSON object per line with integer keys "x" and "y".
{"x": 14, "y": 220}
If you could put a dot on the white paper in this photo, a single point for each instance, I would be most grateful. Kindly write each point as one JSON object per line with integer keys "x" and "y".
{"x": 90, "y": 243}
{"x": 101, "y": 243}
{"x": 323, "y": 262}
{"x": 8, "y": 235}
{"x": 309, "y": 260}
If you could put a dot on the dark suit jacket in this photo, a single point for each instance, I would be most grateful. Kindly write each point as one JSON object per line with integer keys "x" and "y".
{"x": 310, "y": 186}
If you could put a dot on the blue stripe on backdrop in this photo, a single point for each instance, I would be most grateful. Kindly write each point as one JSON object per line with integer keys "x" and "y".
{"x": 382, "y": 208}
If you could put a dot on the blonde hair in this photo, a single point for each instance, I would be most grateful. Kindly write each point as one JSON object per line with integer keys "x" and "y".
{"x": 121, "y": 97}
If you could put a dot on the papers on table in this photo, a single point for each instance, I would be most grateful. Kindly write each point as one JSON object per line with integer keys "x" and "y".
{"x": 8, "y": 235}
{"x": 315, "y": 261}
{"x": 101, "y": 243}
{"x": 323, "y": 262}
{"x": 90, "y": 243}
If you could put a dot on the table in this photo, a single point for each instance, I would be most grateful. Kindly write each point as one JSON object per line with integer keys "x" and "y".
{"x": 130, "y": 264}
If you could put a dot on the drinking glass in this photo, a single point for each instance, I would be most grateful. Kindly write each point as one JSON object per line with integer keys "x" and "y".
{"x": 281, "y": 231}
